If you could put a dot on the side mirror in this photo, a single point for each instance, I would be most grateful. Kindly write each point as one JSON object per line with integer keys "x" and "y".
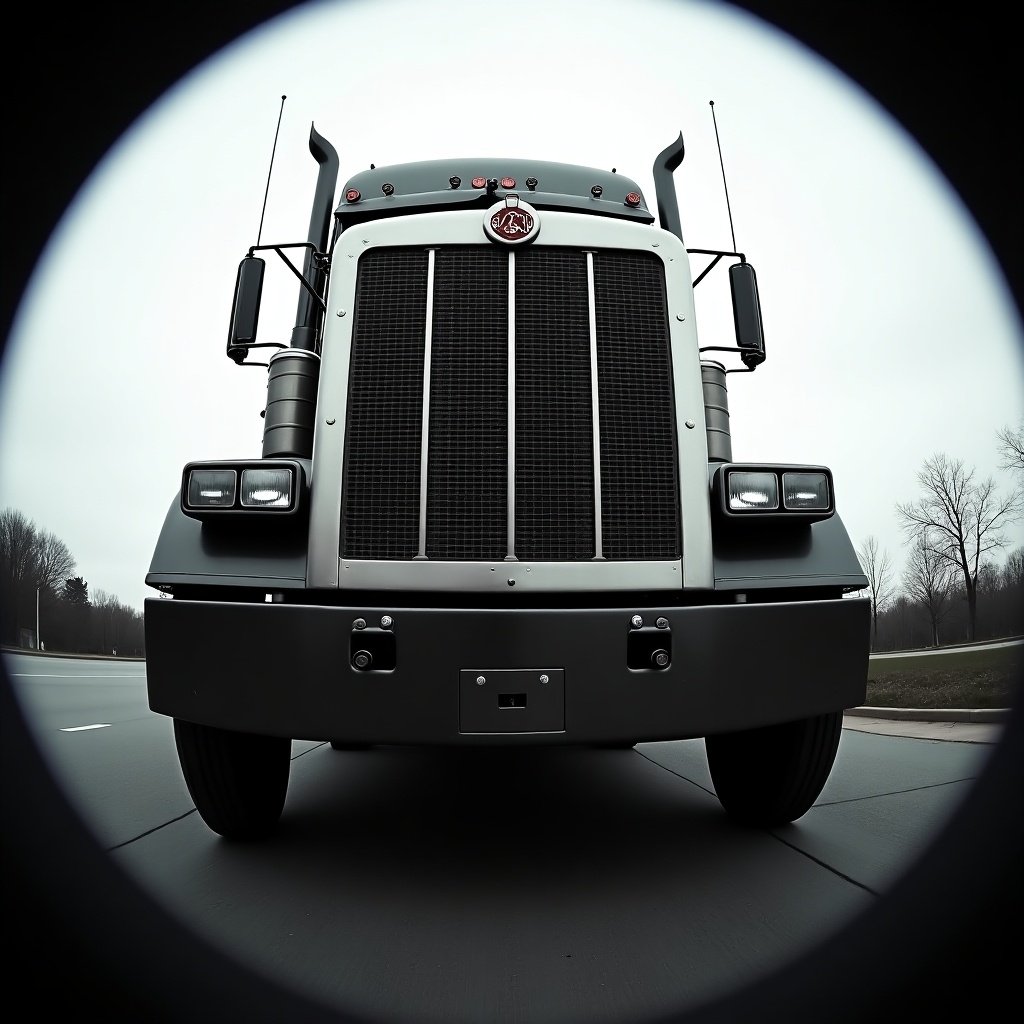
{"x": 245, "y": 310}
{"x": 746, "y": 313}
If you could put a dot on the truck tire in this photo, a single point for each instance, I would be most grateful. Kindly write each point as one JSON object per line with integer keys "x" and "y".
{"x": 771, "y": 776}
{"x": 238, "y": 781}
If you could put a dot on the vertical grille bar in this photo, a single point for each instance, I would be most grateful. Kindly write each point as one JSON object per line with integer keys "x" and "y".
{"x": 595, "y": 402}
{"x": 510, "y": 554}
{"x": 425, "y": 428}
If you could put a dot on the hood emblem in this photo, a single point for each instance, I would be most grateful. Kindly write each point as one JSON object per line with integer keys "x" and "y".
{"x": 511, "y": 221}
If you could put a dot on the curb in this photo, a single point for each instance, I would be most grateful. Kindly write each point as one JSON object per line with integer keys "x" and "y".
{"x": 991, "y": 715}
{"x": 945, "y": 648}
{"x": 63, "y": 654}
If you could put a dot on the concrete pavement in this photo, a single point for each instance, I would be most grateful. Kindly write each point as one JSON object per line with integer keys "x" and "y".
{"x": 961, "y": 725}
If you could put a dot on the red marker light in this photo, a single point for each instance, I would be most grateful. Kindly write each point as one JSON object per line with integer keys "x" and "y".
{"x": 633, "y": 199}
{"x": 479, "y": 182}
{"x": 508, "y": 182}
{"x": 352, "y": 195}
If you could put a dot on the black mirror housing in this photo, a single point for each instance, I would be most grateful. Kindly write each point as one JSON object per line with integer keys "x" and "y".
{"x": 746, "y": 312}
{"x": 245, "y": 309}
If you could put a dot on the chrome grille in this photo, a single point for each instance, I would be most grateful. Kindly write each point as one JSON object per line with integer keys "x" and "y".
{"x": 508, "y": 358}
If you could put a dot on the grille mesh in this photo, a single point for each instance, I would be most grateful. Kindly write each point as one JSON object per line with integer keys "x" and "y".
{"x": 554, "y": 426}
{"x": 467, "y": 486}
{"x": 380, "y": 509}
{"x": 639, "y": 512}
{"x": 467, "y": 478}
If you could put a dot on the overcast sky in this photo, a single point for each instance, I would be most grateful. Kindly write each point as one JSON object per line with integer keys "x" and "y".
{"x": 890, "y": 332}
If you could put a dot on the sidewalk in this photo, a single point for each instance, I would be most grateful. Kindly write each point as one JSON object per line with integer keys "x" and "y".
{"x": 961, "y": 725}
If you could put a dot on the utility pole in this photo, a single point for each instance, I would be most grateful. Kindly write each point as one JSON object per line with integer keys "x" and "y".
{"x": 39, "y": 645}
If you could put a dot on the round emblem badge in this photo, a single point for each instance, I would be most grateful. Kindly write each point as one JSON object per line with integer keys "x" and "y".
{"x": 511, "y": 221}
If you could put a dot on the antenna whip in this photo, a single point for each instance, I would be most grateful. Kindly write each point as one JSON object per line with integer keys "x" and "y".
{"x": 724, "y": 184}
{"x": 259, "y": 234}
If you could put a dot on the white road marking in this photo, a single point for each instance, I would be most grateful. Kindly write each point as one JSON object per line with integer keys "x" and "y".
{"x": 84, "y": 728}
{"x": 77, "y": 675}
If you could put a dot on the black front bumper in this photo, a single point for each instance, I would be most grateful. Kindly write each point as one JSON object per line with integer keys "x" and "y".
{"x": 549, "y": 675}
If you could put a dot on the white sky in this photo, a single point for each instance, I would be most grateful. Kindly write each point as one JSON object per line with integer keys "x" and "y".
{"x": 890, "y": 332}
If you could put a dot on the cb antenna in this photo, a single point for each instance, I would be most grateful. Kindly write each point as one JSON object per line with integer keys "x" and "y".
{"x": 259, "y": 234}
{"x": 724, "y": 183}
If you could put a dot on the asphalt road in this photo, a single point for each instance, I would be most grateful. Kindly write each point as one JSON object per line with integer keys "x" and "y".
{"x": 566, "y": 886}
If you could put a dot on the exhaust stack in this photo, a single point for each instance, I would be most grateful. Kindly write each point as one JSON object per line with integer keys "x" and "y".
{"x": 308, "y": 315}
{"x": 664, "y": 187}
{"x": 294, "y": 373}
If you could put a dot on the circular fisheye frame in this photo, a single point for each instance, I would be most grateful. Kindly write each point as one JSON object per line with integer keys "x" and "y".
{"x": 933, "y": 947}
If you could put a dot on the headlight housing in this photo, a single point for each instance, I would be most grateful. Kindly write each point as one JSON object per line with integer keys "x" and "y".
{"x": 774, "y": 492}
{"x": 255, "y": 488}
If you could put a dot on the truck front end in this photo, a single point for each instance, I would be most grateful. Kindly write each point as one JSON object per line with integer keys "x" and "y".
{"x": 497, "y": 505}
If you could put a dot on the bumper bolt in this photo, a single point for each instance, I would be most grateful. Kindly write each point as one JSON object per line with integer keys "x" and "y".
{"x": 480, "y": 680}
{"x": 636, "y": 621}
{"x": 386, "y": 621}
{"x": 659, "y": 659}
{"x": 359, "y": 624}
{"x": 663, "y": 623}
{"x": 362, "y": 659}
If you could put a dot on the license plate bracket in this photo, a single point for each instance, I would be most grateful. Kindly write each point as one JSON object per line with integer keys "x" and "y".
{"x": 511, "y": 700}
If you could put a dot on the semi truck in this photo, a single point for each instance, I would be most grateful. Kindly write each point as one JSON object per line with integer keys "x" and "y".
{"x": 497, "y": 504}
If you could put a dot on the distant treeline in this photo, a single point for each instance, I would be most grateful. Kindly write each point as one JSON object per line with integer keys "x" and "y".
{"x": 43, "y": 606}
{"x": 905, "y": 622}
{"x": 955, "y": 586}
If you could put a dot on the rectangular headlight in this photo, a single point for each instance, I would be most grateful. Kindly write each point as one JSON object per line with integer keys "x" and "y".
{"x": 244, "y": 489}
{"x": 773, "y": 493}
{"x": 748, "y": 490}
{"x": 267, "y": 488}
{"x": 211, "y": 488}
{"x": 806, "y": 491}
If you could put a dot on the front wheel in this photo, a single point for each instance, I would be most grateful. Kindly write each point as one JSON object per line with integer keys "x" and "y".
{"x": 237, "y": 780}
{"x": 772, "y": 776}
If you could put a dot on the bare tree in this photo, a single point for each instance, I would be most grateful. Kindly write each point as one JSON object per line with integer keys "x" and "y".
{"x": 30, "y": 561}
{"x": 116, "y": 627}
{"x": 877, "y": 567}
{"x": 1013, "y": 569}
{"x": 31, "y": 557}
{"x": 959, "y": 519}
{"x": 54, "y": 562}
{"x": 17, "y": 546}
{"x": 1011, "y": 448}
{"x": 927, "y": 579}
